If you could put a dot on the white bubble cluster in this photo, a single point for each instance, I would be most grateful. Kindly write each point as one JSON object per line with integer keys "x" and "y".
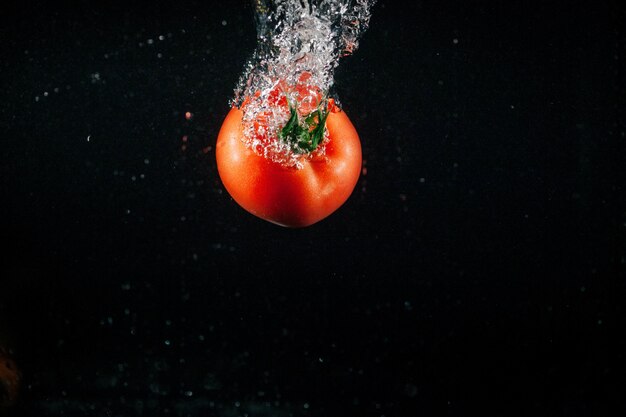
{"x": 299, "y": 47}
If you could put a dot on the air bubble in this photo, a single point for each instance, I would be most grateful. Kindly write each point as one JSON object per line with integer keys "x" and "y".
{"x": 299, "y": 47}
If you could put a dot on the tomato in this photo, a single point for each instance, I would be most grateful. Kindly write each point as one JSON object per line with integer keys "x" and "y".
{"x": 290, "y": 196}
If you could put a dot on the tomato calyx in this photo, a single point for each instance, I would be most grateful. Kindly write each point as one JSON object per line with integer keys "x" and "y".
{"x": 304, "y": 139}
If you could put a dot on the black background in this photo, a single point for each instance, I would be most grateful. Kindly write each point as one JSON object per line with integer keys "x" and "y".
{"x": 477, "y": 269}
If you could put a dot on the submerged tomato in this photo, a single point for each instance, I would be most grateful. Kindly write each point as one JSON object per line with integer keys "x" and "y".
{"x": 289, "y": 196}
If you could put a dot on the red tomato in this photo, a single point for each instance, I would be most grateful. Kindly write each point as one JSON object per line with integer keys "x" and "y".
{"x": 287, "y": 196}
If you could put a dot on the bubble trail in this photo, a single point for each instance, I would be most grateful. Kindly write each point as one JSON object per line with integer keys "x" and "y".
{"x": 299, "y": 45}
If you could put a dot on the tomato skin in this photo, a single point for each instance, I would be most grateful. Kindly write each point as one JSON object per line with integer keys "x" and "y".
{"x": 288, "y": 196}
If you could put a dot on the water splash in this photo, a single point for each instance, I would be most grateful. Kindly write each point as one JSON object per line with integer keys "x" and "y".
{"x": 300, "y": 44}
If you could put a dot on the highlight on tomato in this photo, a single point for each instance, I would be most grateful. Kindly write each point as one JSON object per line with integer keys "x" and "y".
{"x": 291, "y": 157}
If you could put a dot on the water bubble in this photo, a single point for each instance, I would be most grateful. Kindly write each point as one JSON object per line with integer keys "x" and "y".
{"x": 290, "y": 75}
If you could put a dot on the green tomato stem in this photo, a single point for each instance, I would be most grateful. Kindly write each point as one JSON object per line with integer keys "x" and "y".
{"x": 304, "y": 139}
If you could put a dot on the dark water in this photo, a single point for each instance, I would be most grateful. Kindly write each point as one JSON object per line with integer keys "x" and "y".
{"x": 478, "y": 268}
